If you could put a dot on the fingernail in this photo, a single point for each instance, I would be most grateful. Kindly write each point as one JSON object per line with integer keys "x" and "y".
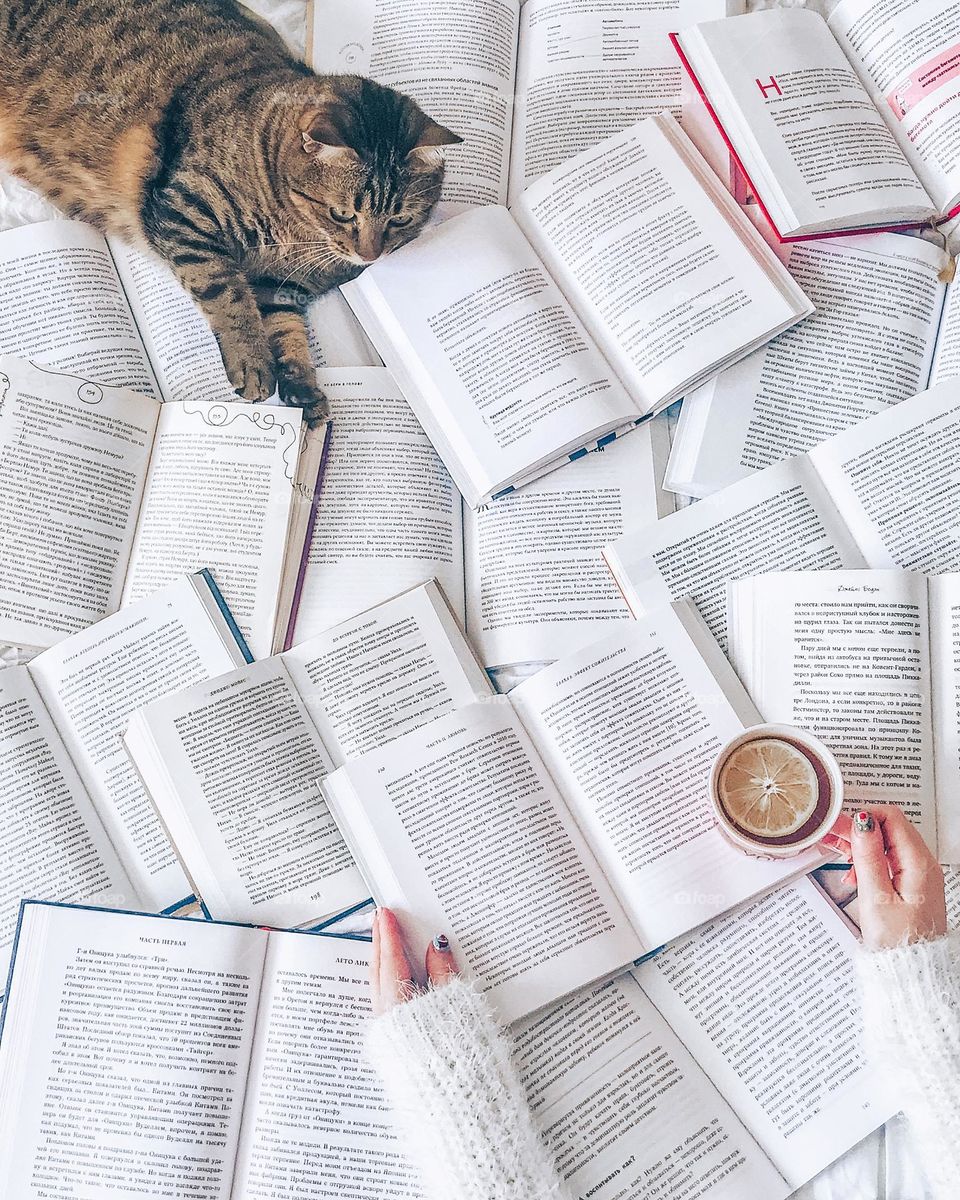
{"x": 863, "y": 822}
{"x": 442, "y": 943}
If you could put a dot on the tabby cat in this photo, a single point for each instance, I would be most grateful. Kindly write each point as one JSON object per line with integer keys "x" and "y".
{"x": 187, "y": 125}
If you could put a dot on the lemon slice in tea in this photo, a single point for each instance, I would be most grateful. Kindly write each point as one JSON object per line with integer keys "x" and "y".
{"x": 768, "y": 787}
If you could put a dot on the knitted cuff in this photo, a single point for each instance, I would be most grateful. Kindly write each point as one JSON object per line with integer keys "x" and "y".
{"x": 911, "y": 1007}
{"x": 458, "y": 1102}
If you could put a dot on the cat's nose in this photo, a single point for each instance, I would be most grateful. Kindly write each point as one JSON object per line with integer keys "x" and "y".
{"x": 370, "y": 246}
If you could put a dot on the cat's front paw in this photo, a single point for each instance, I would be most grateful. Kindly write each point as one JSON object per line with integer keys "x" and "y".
{"x": 301, "y": 393}
{"x": 252, "y": 377}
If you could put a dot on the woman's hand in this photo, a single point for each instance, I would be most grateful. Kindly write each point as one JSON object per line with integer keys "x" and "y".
{"x": 391, "y": 974}
{"x": 900, "y": 883}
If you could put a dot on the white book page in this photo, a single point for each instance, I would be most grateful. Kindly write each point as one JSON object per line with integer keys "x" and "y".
{"x": 780, "y": 519}
{"x": 905, "y": 53}
{"x": 869, "y": 344}
{"x": 388, "y": 515}
{"x": 171, "y": 1006}
{"x": 537, "y": 585}
{"x": 220, "y": 494}
{"x": 625, "y": 1108}
{"x": 335, "y": 336}
{"x": 777, "y": 974}
{"x": 386, "y": 672}
{"x": 498, "y": 370}
{"x": 52, "y": 844}
{"x": 95, "y": 680}
{"x": 232, "y": 765}
{"x": 178, "y": 337}
{"x": 895, "y": 479}
{"x": 73, "y": 458}
{"x": 316, "y": 1121}
{"x": 809, "y": 137}
{"x": 525, "y": 906}
{"x": 587, "y": 70}
{"x": 946, "y": 360}
{"x": 630, "y": 728}
{"x": 846, "y": 655}
{"x": 945, "y": 662}
{"x": 64, "y": 305}
{"x": 457, "y": 62}
{"x": 670, "y": 279}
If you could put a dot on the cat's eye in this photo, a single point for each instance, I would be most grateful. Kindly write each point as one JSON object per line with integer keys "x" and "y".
{"x": 400, "y": 221}
{"x": 342, "y": 217}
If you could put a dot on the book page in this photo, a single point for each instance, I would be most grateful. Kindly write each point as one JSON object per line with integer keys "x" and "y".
{"x": 316, "y": 1122}
{"x": 385, "y": 672}
{"x": 537, "y": 585}
{"x": 625, "y": 1108}
{"x": 388, "y": 515}
{"x": 64, "y": 306}
{"x": 178, "y": 337}
{"x": 780, "y": 519}
{"x": 630, "y": 728}
{"x": 497, "y": 368}
{"x": 525, "y": 906}
{"x": 895, "y": 479}
{"x": 669, "y": 277}
{"x": 52, "y": 844}
{"x": 815, "y": 147}
{"x": 458, "y": 63}
{"x": 335, "y": 336}
{"x": 869, "y": 344}
{"x": 232, "y": 764}
{"x": 846, "y": 655}
{"x": 945, "y": 663}
{"x": 171, "y": 1008}
{"x": 778, "y": 973}
{"x": 906, "y": 53}
{"x": 946, "y": 359}
{"x": 221, "y": 492}
{"x": 587, "y": 70}
{"x": 73, "y": 463}
{"x": 93, "y": 681}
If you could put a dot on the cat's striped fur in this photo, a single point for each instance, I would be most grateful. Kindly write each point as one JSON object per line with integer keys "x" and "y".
{"x": 188, "y": 125}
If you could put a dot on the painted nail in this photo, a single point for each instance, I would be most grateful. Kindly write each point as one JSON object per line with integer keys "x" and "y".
{"x": 442, "y": 943}
{"x": 863, "y": 822}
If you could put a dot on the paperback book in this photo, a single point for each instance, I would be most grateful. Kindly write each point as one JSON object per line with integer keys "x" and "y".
{"x": 613, "y": 285}
{"x": 841, "y": 124}
{"x": 110, "y": 494}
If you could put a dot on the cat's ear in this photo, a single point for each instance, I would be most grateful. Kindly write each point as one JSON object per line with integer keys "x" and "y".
{"x": 430, "y": 143}
{"x": 322, "y": 134}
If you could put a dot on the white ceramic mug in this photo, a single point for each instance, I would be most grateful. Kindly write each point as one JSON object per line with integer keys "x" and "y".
{"x": 817, "y": 752}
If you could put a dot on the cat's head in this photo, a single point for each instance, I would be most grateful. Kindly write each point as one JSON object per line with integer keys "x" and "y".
{"x": 364, "y": 169}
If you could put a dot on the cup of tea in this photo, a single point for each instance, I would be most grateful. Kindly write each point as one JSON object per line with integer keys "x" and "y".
{"x": 775, "y": 790}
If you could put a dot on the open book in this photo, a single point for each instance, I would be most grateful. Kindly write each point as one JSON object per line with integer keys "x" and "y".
{"x": 96, "y": 307}
{"x": 614, "y": 284}
{"x": 884, "y": 493}
{"x": 524, "y": 575}
{"x": 885, "y": 328}
{"x": 577, "y": 807}
{"x": 841, "y": 125}
{"x": 231, "y": 1063}
{"x": 75, "y": 821}
{"x": 110, "y": 494}
{"x": 869, "y": 661}
{"x": 527, "y": 85}
{"x": 232, "y": 763}
{"x": 728, "y": 1067}
{"x": 737, "y": 1123}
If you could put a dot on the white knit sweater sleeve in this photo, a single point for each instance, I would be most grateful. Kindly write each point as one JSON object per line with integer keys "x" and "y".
{"x": 911, "y": 1008}
{"x": 458, "y": 1102}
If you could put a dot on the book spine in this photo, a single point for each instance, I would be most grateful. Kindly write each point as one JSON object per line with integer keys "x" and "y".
{"x": 307, "y": 540}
